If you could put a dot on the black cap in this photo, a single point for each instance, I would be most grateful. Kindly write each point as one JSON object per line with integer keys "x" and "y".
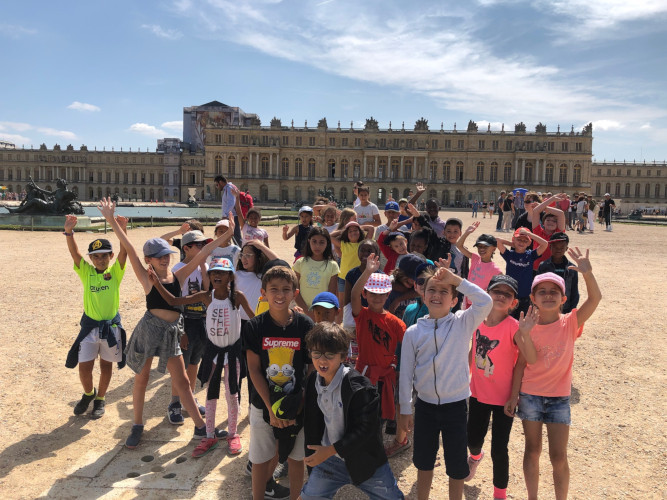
{"x": 409, "y": 264}
{"x": 100, "y": 246}
{"x": 503, "y": 279}
{"x": 486, "y": 239}
{"x": 274, "y": 263}
{"x": 559, "y": 237}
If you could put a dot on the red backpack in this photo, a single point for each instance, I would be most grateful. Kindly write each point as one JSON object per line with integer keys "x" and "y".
{"x": 245, "y": 201}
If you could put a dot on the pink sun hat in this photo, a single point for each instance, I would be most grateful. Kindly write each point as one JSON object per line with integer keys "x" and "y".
{"x": 378, "y": 283}
{"x": 549, "y": 277}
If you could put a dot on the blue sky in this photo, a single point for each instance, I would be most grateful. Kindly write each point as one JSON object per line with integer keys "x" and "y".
{"x": 118, "y": 74}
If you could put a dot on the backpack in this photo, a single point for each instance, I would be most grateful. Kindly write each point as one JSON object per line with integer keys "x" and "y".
{"x": 245, "y": 200}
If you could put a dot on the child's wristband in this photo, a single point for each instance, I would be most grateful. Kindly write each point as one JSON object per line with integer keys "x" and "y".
{"x": 68, "y": 234}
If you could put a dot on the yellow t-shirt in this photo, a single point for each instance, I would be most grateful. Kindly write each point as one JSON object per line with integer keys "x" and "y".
{"x": 101, "y": 291}
{"x": 314, "y": 276}
{"x": 349, "y": 258}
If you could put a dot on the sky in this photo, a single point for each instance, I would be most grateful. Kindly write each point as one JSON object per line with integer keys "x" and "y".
{"x": 117, "y": 74}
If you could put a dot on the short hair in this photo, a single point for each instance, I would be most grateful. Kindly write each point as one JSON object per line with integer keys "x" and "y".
{"x": 195, "y": 225}
{"x": 219, "y": 178}
{"x": 328, "y": 337}
{"x": 328, "y": 210}
{"x": 533, "y": 196}
{"x": 372, "y": 243}
{"x": 254, "y": 210}
{"x": 454, "y": 222}
{"x": 280, "y": 273}
{"x": 363, "y": 189}
{"x": 432, "y": 201}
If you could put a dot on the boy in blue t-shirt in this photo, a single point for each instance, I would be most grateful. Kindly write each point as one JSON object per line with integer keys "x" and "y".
{"x": 101, "y": 333}
{"x": 520, "y": 259}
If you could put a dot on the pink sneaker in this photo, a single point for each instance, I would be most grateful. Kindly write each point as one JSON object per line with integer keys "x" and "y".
{"x": 204, "y": 446}
{"x": 472, "y": 465}
{"x": 235, "y": 446}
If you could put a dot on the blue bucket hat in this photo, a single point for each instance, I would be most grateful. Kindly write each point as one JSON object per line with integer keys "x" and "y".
{"x": 157, "y": 247}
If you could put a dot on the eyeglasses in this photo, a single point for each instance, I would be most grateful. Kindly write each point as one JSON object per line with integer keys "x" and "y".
{"x": 319, "y": 354}
{"x": 198, "y": 244}
{"x": 247, "y": 255}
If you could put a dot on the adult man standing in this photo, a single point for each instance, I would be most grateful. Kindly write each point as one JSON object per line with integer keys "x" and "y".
{"x": 229, "y": 204}
{"x": 609, "y": 205}
{"x": 518, "y": 206}
{"x": 499, "y": 210}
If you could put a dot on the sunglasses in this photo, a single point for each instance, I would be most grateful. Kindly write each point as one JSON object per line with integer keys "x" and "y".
{"x": 197, "y": 244}
{"x": 319, "y": 354}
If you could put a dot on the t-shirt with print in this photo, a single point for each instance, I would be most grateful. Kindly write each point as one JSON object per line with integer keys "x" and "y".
{"x": 314, "y": 276}
{"x": 230, "y": 252}
{"x": 378, "y": 335}
{"x": 365, "y": 213}
{"x": 551, "y": 374}
{"x": 249, "y": 233}
{"x": 191, "y": 285}
{"x": 520, "y": 267}
{"x": 494, "y": 355}
{"x": 101, "y": 291}
{"x": 282, "y": 352}
{"x": 480, "y": 273}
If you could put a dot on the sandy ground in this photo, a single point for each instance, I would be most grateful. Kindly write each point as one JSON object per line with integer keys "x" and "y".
{"x": 617, "y": 440}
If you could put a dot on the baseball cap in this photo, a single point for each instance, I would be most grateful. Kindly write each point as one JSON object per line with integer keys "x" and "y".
{"x": 403, "y": 200}
{"x": 487, "y": 240}
{"x": 517, "y": 233}
{"x": 559, "y": 237}
{"x": 391, "y": 206}
{"x": 220, "y": 264}
{"x": 549, "y": 277}
{"x": 454, "y": 221}
{"x": 503, "y": 279}
{"x": 350, "y": 224}
{"x": 194, "y": 237}
{"x": 157, "y": 247}
{"x": 274, "y": 263}
{"x": 378, "y": 283}
{"x": 305, "y": 208}
{"x": 325, "y": 299}
{"x": 223, "y": 222}
{"x": 607, "y": 194}
{"x": 409, "y": 264}
{"x": 100, "y": 245}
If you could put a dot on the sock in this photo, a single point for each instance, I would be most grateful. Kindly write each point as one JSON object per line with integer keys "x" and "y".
{"x": 101, "y": 398}
{"x": 90, "y": 393}
{"x": 499, "y": 492}
{"x": 476, "y": 457}
{"x": 175, "y": 399}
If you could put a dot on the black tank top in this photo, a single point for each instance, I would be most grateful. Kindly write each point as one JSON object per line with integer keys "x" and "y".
{"x": 155, "y": 301}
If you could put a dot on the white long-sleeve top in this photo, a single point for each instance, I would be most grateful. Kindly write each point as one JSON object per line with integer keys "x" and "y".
{"x": 434, "y": 354}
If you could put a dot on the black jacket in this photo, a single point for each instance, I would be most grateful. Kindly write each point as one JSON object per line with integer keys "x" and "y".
{"x": 361, "y": 446}
{"x": 571, "y": 282}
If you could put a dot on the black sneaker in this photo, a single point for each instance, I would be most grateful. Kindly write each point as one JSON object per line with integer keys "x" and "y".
{"x": 200, "y": 432}
{"x": 248, "y": 469}
{"x": 174, "y": 413}
{"x": 390, "y": 428}
{"x": 98, "y": 408}
{"x": 281, "y": 470}
{"x": 275, "y": 491}
{"x": 83, "y": 404}
{"x": 221, "y": 434}
{"x": 135, "y": 436}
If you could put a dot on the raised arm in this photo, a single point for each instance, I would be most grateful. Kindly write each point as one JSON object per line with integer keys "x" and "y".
{"x": 534, "y": 213}
{"x": 542, "y": 243}
{"x": 288, "y": 233}
{"x": 203, "y": 296}
{"x": 372, "y": 265}
{"x": 169, "y": 237}
{"x": 421, "y": 189}
{"x": 460, "y": 244}
{"x": 583, "y": 266}
{"x": 122, "y": 254}
{"x": 70, "y": 223}
{"x": 270, "y": 254}
{"x": 503, "y": 244}
{"x": 522, "y": 336}
{"x": 560, "y": 216}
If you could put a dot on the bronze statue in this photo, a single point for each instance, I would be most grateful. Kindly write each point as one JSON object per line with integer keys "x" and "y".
{"x": 42, "y": 202}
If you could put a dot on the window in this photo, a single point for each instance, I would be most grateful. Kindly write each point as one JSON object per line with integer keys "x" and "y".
{"x": 108, "y": 177}
{"x": 264, "y": 163}
{"x": 357, "y": 142}
{"x": 448, "y": 144}
{"x": 461, "y": 144}
{"x": 579, "y": 147}
{"x": 231, "y": 139}
{"x": 91, "y": 177}
{"x": 343, "y": 193}
{"x": 600, "y": 171}
{"x": 617, "y": 189}
{"x": 344, "y": 141}
{"x": 116, "y": 178}
{"x": 332, "y": 168}
{"x": 265, "y": 140}
{"x": 285, "y": 143}
{"x": 298, "y": 170}
{"x": 607, "y": 187}
{"x": 529, "y": 145}
{"x": 647, "y": 191}
{"x": 562, "y": 174}
{"x": 218, "y": 164}
{"x": 408, "y": 143}
{"x": 563, "y": 147}
{"x": 494, "y": 145}
{"x": 298, "y": 142}
{"x": 528, "y": 172}
{"x": 383, "y": 143}
{"x": 627, "y": 190}
{"x": 231, "y": 165}
{"x": 407, "y": 166}
{"x": 639, "y": 173}
{"x": 356, "y": 169}
{"x": 244, "y": 139}
{"x": 459, "y": 171}
{"x": 493, "y": 173}
{"x": 598, "y": 189}
{"x": 344, "y": 169}
{"x": 284, "y": 167}
{"x": 434, "y": 144}
{"x": 629, "y": 173}
{"x": 382, "y": 168}
{"x": 244, "y": 165}
{"x": 618, "y": 171}
{"x": 152, "y": 178}
{"x": 332, "y": 141}
{"x": 551, "y": 146}
{"x": 218, "y": 138}
{"x": 395, "y": 167}
{"x": 480, "y": 171}
{"x": 311, "y": 168}
{"x": 648, "y": 173}
{"x": 143, "y": 178}
{"x": 638, "y": 189}
{"x": 458, "y": 197}
{"x": 311, "y": 141}
{"x": 508, "y": 145}
{"x": 433, "y": 171}
{"x": 481, "y": 145}
{"x": 507, "y": 172}
{"x": 446, "y": 171}
{"x": 297, "y": 194}
{"x": 576, "y": 179}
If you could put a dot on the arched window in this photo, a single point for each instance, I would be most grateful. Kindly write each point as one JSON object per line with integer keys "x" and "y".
{"x": 382, "y": 196}
{"x": 394, "y": 193}
{"x": 493, "y": 172}
{"x": 598, "y": 189}
{"x": 445, "y": 197}
{"x": 370, "y": 170}
{"x": 656, "y": 193}
{"x": 382, "y": 168}
{"x": 459, "y": 171}
{"x": 395, "y": 167}
{"x": 91, "y": 193}
{"x": 549, "y": 174}
{"x": 263, "y": 192}
{"x": 298, "y": 170}
{"x": 344, "y": 169}
{"x": 562, "y": 174}
{"x": 528, "y": 172}
{"x": 151, "y": 195}
{"x": 446, "y": 171}
{"x": 432, "y": 194}
{"x": 647, "y": 191}
{"x": 218, "y": 164}
{"x": 458, "y": 197}
{"x": 627, "y": 190}
{"x": 284, "y": 193}
{"x": 143, "y": 194}
{"x": 264, "y": 165}
{"x": 356, "y": 169}
{"x": 244, "y": 166}
{"x": 311, "y": 194}
{"x": 607, "y": 187}
{"x": 407, "y": 167}
{"x": 433, "y": 170}
{"x": 576, "y": 179}
{"x": 480, "y": 172}
{"x": 332, "y": 168}
{"x": 284, "y": 167}
{"x": 343, "y": 194}
{"x": 231, "y": 166}
{"x": 617, "y": 189}
{"x": 311, "y": 171}
{"x": 638, "y": 190}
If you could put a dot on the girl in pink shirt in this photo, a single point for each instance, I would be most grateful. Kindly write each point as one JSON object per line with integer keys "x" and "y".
{"x": 495, "y": 347}
{"x": 544, "y": 391}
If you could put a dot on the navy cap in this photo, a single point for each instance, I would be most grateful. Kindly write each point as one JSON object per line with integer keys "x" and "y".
{"x": 409, "y": 264}
{"x": 392, "y": 205}
{"x": 559, "y": 236}
{"x": 503, "y": 279}
{"x": 486, "y": 239}
{"x": 274, "y": 263}
{"x": 325, "y": 299}
{"x": 100, "y": 245}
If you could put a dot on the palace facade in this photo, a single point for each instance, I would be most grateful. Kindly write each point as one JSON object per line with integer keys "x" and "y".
{"x": 278, "y": 163}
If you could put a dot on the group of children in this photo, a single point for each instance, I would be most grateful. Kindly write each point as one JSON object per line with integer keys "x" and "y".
{"x": 432, "y": 329}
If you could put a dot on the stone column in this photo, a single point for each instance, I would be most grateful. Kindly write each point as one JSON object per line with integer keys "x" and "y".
{"x": 516, "y": 170}
{"x": 522, "y": 177}
{"x": 270, "y": 164}
{"x": 365, "y": 169}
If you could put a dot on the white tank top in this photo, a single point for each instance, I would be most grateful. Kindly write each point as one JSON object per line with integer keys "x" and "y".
{"x": 223, "y": 322}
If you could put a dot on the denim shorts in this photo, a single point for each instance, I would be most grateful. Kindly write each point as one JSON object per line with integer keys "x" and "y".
{"x": 545, "y": 409}
{"x": 341, "y": 285}
{"x": 331, "y": 475}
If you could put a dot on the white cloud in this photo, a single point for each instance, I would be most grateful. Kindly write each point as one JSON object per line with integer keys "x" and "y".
{"x": 148, "y": 130}
{"x": 484, "y": 125}
{"x": 646, "y": 126}
{"x": 82, "y": 106}
{"x": 175, "y": 125}
{"x": 21, "y": 127}
{"x": 24, "y": 127}
{"x": 607, "y": 125}
{"x": 14, "y": 31}
{"x": 17, "y": 139}
{"x": 159, "y": 31}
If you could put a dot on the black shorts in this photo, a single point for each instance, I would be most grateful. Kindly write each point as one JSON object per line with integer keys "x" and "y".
{"x": 450, "y": 421}
{"x": 195, "y": 329}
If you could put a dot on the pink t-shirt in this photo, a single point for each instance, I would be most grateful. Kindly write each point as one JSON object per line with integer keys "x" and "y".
{"x": 249, "y": 233}
{"x": 494, "y": 356}
{"x": 480, "y": 274}
{"x": 551, "y": 374}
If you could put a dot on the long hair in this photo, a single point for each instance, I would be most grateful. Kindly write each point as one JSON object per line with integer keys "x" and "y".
{"x": 345, "y": 217}
{"x": 232, "y": 291}
{"x": 318, "y": 231}
{"x": 260, "y": 259}
{"x": 344, "y": 237}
